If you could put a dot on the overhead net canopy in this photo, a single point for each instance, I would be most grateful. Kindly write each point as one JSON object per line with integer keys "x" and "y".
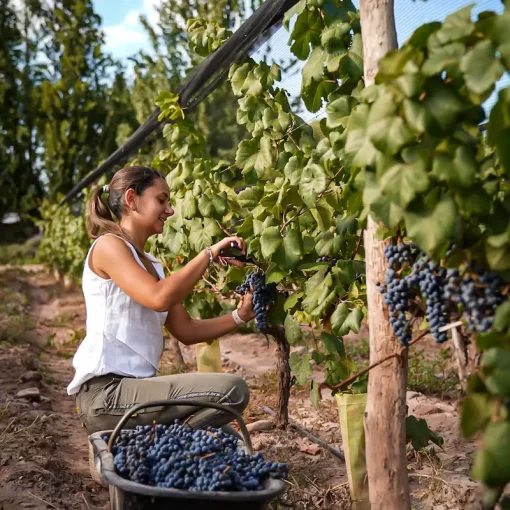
{"x": 207, "y": 77}
{"x": 263, "y": 37}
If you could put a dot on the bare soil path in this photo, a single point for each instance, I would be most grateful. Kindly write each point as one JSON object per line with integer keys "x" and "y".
{"x": 43, "y": 448}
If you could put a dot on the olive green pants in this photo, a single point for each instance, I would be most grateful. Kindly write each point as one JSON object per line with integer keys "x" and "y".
{"x": 102, "y": 401}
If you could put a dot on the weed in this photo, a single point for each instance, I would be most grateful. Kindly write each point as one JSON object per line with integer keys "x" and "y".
{"x": 62, "y": 320}
{"x": 359, "y": 351}
{"x": 433, "y": 376}
{"x": 18, "y": 254}
{"x": 14, "y": 323}
{"x": 76, "y": 337}
{"x": 65, "y": 354}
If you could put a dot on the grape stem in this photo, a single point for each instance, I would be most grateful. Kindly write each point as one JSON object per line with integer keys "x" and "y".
{"x": 223, "y": 229}
{"x": 358, "y": 244}
{"x": 212, "y": 285}
{"x": 351, "y": 379}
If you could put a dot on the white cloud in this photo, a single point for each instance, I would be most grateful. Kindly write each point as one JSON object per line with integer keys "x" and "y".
{"x": 118, "y": 36}
{"x": 128, "y": 36}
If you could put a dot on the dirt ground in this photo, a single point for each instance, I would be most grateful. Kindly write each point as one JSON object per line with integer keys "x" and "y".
{"x": 43, "y": 448}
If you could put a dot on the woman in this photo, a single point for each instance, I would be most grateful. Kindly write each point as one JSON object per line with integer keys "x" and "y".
{"x": 128, "y": 301}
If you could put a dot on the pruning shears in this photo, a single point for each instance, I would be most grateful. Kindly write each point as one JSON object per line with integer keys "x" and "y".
{"x": 235, "y": 253}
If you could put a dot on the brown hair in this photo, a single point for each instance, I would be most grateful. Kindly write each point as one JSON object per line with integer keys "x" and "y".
{"x": 102, "y": 214}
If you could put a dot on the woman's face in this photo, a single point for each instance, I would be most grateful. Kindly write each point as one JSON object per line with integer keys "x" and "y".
{"x": 152, "y": 207}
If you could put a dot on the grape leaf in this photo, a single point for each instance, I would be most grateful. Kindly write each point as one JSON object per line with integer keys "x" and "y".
{"x": 293, "y": 332}
{"x": 270, "y": 241}
{"x": 430, "y": 227}
{"x": 313, "y": 182}
{"x": 482, "y": 69}
{"x": 301, "y": 367}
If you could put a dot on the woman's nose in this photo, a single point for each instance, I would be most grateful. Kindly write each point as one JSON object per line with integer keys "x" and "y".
{"x": 170, "y": 211}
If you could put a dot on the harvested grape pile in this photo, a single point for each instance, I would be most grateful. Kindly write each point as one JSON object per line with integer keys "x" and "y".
{"x": 183, "y": 458}
{"x": 448, "y": 293}
{"x": 263, "y": 297}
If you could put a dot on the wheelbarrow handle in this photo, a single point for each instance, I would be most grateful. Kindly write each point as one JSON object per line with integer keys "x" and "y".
{"x": 183, "y": 402}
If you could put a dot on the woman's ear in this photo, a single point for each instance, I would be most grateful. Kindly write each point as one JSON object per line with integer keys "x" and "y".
{"x": 130, "y": 198}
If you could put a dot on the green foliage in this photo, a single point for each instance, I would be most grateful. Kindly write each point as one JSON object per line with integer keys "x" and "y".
{"x": 419, "y": 434}
{"x": 185, "y": 33}
{"x": 20, "y": 183}
{"x": 205, "y": 37}
{"x": 19, "y": 253}
{"x": 415, "y": 134}
{"x": 295, "y": 199}
{"x": 65, "y": 241}
{"x": 14, "y": 323}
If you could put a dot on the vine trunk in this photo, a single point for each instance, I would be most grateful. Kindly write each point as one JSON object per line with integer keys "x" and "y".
{"x": 283, "y": 369}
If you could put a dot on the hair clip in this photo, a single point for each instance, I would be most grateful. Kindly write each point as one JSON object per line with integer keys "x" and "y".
{"x": 106, "y": 188}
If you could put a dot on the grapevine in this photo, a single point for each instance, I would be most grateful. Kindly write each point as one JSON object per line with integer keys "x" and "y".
{"x": 179, "y": 457}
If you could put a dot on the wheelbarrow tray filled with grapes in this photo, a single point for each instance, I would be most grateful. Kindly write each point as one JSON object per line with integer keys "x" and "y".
{"x": 126, "y": 494}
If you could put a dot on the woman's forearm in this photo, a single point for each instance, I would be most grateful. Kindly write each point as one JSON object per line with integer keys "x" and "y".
{"x": 208, "y": 329}
{"x": 174, "y": 288}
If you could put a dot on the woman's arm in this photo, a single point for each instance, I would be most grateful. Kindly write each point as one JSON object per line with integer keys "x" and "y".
{"x": 111, "y": 256}
{"x": 190, "y": 331}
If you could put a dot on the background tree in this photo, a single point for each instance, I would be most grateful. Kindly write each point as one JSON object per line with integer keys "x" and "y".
{"x": 82, "y": 106}
{"x": 166, "y": 66}
{"x": 19, "y": 99}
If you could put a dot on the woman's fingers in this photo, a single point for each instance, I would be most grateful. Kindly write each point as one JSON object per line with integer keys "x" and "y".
{"x": 240, "y": 242}
{"x": 235, "y": 262}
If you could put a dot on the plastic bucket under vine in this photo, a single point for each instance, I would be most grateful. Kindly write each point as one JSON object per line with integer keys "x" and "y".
{"x": 351, "y": 410}
{"x": 209, "y": 357}
{"x": 128, "y": 495}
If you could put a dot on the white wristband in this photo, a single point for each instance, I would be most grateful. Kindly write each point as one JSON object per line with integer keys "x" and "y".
{"x": 237, "y": 319}
{"x": 210, "y": 253}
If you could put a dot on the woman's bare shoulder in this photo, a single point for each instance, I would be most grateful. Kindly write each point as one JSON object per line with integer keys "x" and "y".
{"x": 108, "y": 246}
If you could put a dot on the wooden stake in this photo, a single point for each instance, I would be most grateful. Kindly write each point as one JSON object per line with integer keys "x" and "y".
{"x": 462, "y": 357}
{"x": 385, "y": 415}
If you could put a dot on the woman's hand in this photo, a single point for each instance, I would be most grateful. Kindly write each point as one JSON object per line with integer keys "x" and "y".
{"x": 226, "y": 244}
{"x": 245, "y": 307}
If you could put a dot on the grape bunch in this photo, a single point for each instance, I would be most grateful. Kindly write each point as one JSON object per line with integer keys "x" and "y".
{"x": 263, "y": 297}
{"x": 476, "y": 294}
{"x": 398, "y": 292}
{"x": 479, "y": 293}
{"x": 179, "y": 457}
{"x": 326, "y": 259}
{"x": 431, "y": 278}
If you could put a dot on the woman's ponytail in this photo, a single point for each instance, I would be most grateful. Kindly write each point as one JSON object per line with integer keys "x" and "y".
{"x": 99, "y": 216}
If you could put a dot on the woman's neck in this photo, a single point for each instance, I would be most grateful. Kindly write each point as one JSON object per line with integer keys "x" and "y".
{"x": 137, "y": 237}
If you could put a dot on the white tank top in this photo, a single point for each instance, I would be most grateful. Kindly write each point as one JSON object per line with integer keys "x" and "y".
{"x": 123, "y": 337}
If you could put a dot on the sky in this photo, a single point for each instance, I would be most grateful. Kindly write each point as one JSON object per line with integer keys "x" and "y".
{"x": 123, "y": 31}
{"x": 125, "y": 35}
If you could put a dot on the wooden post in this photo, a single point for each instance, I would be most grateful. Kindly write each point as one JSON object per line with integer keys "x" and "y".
{"x": 385, "y": 416}
{"x": 462, "y": 357}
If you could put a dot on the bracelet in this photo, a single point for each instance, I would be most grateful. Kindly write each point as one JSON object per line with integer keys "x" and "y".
{"x": 237, "y": 319}
{"x": 211, "y": 257}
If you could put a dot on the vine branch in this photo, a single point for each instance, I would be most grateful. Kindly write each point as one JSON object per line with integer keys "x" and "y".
{"x": 223, "y": 229}
{"x": 351, "y": 379}
{"x": 358, "y": 244}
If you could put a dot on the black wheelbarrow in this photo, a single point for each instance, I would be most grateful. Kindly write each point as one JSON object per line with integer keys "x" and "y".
{"x": 128, "y": 495}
